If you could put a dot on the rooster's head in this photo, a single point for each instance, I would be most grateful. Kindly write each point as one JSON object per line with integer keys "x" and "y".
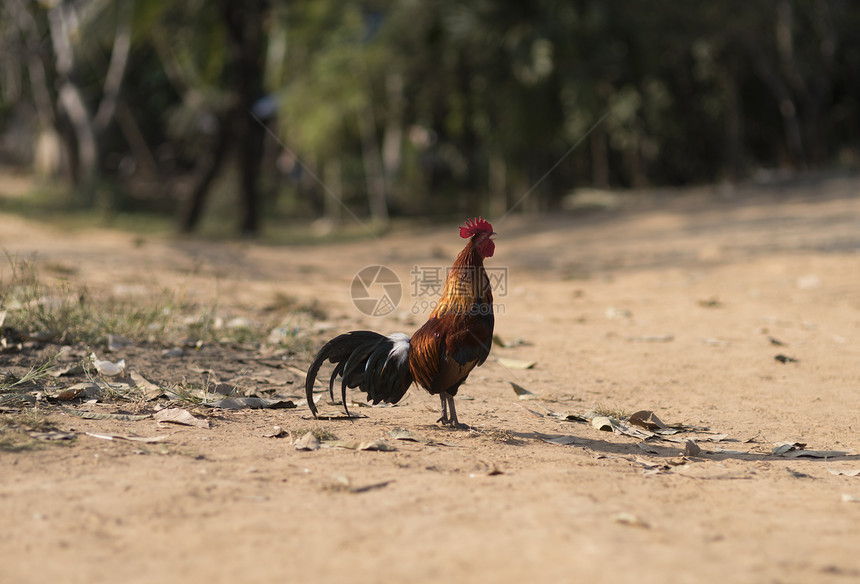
{"x": 481, "y": 233}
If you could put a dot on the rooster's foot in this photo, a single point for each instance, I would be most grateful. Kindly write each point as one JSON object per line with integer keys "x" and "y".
{"x": 445, "y": 419}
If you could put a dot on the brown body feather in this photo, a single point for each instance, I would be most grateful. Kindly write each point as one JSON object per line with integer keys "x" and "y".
{"x": 459, "y": 333}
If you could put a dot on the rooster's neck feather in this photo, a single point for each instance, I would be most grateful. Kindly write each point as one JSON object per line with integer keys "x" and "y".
{"x": 467, "y": 283}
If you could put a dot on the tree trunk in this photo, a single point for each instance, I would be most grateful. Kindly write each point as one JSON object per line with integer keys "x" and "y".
{"x": 819, "y": 86}
{"x": 141, "y": 151}
{"x": 373, "y": 170}
{"x": 497, "y": 181}
{"x": 191, "y": 211}
{"x": 785, "y": 105}
{"x": 333, "y": 179}
{"x": 634, "y": 160}
{"x": 83, "y": 155}
{"x": 48, "y": 153}
{"x": 733, "y": 164}
{"x": 245, "y": 23}
{"x": 599, "y": 159}
{"x": 392, "y": 139}
{"x": 116, "y": 68}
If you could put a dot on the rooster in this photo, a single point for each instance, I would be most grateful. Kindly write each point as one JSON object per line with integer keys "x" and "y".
{"x": 439, "y": 356}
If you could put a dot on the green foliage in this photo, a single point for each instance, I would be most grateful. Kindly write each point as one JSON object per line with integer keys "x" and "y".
{"x": 450, "y": 89}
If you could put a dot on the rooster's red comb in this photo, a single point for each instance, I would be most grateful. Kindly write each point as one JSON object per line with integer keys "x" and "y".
{"x": 473, "y": 226}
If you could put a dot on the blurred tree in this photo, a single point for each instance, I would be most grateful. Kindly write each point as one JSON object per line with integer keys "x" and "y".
{"x": 798, "y": 66}
{"x": 218, "y": 69}
{"x": 331, "y": 101}
{"x": 392, "y": 107}
{"x": 244, "y": 20}
{"x": 56, "y": 78}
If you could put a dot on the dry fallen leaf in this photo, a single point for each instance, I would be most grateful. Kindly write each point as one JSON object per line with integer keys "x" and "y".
{"x": 625, "y": 429}
{"x": 276, "y": 432}
{"x": 557, "y": 439}
{"x": 630, "y": 519}
{"x": 521, "y": 391}
{"x": 697, "y": 438}
{"x": 144, "y": 439}
{"x": 726, "y": 451}
{"x": 649, "y": 448}
{"x": 855, "y": 472}
{"x": 104, "y": 416}
{"x": 77, "y": 390}
{"x": 784, "y": 447}
{"x": 180, "y": 416}
{"x": 149, "y": 389}
{"x": 405, "y": 434}
{"x": 691, "y": 449}
{"x": 238, "y": 403}
{"x": 307, "y": 441}
{"x": 569, "y": 417}
{"x": 377, "y": 446}
{"x": 497, "y": 340}
{"x": 646, "y": 419}
{"x": 602, "y": 423}
{"x": 515, "y": 363}
{"x": 712, "y": 438}
{"x": 815, "y": 453}
{"x": 798, "y": 450}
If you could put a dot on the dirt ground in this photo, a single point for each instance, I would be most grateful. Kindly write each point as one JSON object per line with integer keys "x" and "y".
{"x": 677, "y": 303}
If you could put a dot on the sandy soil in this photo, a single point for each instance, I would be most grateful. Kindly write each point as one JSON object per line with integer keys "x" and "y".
{"x": 672, "y": 304}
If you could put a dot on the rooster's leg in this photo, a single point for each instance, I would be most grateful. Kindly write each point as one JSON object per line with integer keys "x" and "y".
{"x": 448, "y": 406}
{"x": 454, "y": 422}
{"x": 444, "y": 419}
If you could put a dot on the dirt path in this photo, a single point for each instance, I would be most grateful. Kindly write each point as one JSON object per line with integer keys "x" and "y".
{"x": 675, "y": 307}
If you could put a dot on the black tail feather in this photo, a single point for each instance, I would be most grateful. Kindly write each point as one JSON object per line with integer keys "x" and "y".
{"x": 337, "y": 371}
{"x": 366, "y": 360}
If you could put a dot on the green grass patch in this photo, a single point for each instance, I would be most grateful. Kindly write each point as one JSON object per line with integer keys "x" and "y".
{"x": 60, "y": 311}
{"x": 67, "y": 313}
